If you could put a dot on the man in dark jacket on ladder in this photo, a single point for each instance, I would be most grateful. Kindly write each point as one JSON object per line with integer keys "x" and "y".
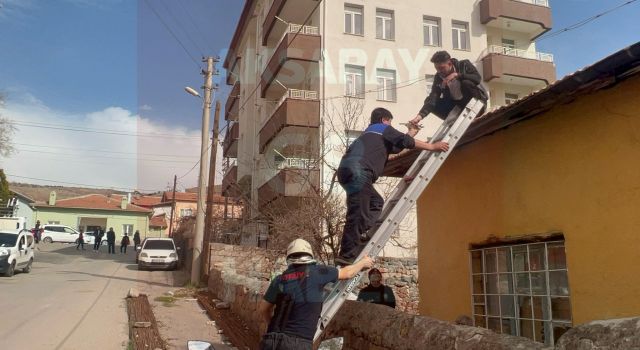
{"x": 455, "y": 84}
{"x": 359, "y": 169}
{"x": 297, "y": 296}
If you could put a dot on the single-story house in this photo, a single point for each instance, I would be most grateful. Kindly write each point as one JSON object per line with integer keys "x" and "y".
{"x": 95, "y": 210}
{"x": 531, "y": 225}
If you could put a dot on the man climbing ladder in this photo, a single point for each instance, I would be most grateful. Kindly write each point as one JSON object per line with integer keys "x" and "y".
{"x": 401, "y": 200}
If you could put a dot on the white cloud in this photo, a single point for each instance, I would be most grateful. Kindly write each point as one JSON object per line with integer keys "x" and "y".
{"x": 145, "y": 108}
{"x": 146, "y": 161}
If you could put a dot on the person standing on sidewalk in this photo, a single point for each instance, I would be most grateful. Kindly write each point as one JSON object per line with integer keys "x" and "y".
{"x": 98, "y": 240}
{"x": 80, "y": 240}
{"x": 136, "y": 240}
{"x": 297, "y": 296}
{"x": 124, "y": 242}
{"x": 111, "y": 240}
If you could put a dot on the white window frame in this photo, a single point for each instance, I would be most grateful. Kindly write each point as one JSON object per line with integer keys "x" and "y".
{"x": 386, "y": 85}
{"x": 432, "y": 31}
{"x": 461, "y": 34}
{"x": 385, "y": 19}
{"x": 357, "y": 87}
{"x": 351, "y": 11}
{"x": 183, "y": 212}
{"x": 510, "y": 97}
{"x": 51, "y": 222}
{"x": 125, "y": 229}
{"x": 508, "y": 291}
{"x": 351, "y": 136}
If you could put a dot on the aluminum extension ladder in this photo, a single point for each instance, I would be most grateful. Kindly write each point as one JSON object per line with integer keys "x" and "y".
{"x": 403, "y": 197}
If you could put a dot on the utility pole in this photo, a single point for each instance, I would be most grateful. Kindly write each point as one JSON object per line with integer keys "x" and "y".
{"x": 202, "y": 190}
{"x": 173, "y": 205}
{"x": 209, "y": 218}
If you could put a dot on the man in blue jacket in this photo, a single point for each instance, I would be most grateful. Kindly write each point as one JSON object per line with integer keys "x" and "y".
{"x": 359, "y": 169}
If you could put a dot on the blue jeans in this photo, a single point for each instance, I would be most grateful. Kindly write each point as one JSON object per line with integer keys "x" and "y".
{"x": 281, "y": 341}
{"x": 364, "y": 205}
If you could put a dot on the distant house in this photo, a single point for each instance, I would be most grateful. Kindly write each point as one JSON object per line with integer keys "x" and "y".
{"x": 531, "y": 226}
{"x": 19, "y": 205}
{"x": 95, "y": 210}
{"x": 158, "y": 226}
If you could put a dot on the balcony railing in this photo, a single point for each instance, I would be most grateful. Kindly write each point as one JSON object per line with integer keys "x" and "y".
{"x": 293, "y": 28}
{"x": 297, "y": 163}
{"x": 544, "y": 3}
{"x": 294, "y": 94}
{"x": 227, "y": 166}
{"x": 532, "y": 55}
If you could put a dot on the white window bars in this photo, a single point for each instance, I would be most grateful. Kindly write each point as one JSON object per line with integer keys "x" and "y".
{"x": 296, "y": 163}
{"x": 544, "y": 3}
{"x": 532, "y": 55}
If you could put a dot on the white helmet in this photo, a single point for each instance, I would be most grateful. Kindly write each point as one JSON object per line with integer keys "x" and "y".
{"x": 302, "y": 248}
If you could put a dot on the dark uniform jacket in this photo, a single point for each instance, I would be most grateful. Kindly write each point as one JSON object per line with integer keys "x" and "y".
{"x": 466, "y": 71}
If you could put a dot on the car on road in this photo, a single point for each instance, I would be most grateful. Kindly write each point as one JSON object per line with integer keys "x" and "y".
{"x": 16, "y": 251}
{"x": 157, "y": 253}
{"x": 62, "y": 233}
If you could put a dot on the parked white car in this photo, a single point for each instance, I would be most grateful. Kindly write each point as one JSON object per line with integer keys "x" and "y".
{"x": 157, "y": 253}
{"x": 60, "y": 233}
{"x": 16, "y": 251}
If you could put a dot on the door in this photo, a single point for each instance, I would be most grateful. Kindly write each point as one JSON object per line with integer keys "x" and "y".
{"x": 70, "y": 235}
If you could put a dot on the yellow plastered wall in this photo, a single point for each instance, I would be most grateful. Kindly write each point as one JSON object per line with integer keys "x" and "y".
{"x": 575, "y": 169}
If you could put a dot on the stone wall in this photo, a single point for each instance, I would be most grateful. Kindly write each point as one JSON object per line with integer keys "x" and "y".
{"x": 400, "y": 274}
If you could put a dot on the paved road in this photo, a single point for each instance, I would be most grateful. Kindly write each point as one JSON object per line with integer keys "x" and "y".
{"x": 73, "y": 299}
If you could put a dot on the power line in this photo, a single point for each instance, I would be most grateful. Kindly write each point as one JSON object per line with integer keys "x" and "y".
{"x": 84, "y": 185}
{"x": 104, "y": 151}
{"x": 583, "y": 22}
{"x": 97, "y": 131}
{"x": 175, "y": 19}
{"x": 193, "y": 21}
{"x": 107, "y": 157}
{"x": 166, "y": 26}
{"x": 195, "y": 165}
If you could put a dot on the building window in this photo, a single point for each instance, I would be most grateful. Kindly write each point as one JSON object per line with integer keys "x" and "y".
{"x": 351, "y": 136}
{"x": 53, "y": 222}
{"x": 385, "y": 25}
{"x": 460, "y": 35}
{"x": 510, "y": 98}
{"x": 431, "y": 27}
{"x": 386, "y": 85}
{"x": 354, "y": 79}
{"x": 509, "y": 47}
{"x": 186, "y": 212}
{"x": 353, "y": 23}
{"x": 522, "y": 290}
{"x": 127, "y": 229}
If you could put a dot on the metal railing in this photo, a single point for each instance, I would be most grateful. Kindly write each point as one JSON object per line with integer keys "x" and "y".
{"x": 296, "y": 163}
{"x": 544, "y": 3}
{"x": 227, "y": 167}
{"x": 532, "y": 55}
{"x": 307, "y": 30}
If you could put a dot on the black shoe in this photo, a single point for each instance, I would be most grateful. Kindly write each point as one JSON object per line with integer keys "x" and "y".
{"x": 343, "y": 261}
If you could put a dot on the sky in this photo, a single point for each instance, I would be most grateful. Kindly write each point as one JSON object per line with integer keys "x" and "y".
{"x": 112, "y": 72}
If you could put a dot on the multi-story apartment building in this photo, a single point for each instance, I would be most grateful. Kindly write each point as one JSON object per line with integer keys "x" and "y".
{"x": 306, "y": 74}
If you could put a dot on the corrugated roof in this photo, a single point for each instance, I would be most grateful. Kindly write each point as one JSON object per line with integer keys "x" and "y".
{"x": 146, "y": 201}
{"x": 602, "y": 74}
{"x": 95, "y": 201}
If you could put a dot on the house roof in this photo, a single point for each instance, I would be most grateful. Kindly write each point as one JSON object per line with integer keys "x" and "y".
{"x": 600, "y": 75}
{"x": 158, "y": 221}
{"x": 167, "y": 196}
{"x": 146, "y": 201}
{"x": 24, "y": 197}
{"x": 96, "y": 202}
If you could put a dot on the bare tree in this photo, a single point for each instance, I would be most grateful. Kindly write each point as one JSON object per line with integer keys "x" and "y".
{"x": 6, "y": 133}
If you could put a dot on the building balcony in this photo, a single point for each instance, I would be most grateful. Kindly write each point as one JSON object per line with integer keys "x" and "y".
{"x": 232, "y": 107}
{"x": 503, "y": 64}
{"x": 299, "y": 112}
{"x": 288, "y": 187}
{"x": 294, "y": 60}
{"x": 230, "y": 181}
{"x": 295, "y": 11}
{"x": 230, "y": 144}
{"x": 232, "y": 72}
{"x": 525, "y": 16}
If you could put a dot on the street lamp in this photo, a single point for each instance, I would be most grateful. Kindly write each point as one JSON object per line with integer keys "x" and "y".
{"x": 192, "y": 91}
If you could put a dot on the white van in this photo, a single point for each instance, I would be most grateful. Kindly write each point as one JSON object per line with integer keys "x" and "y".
{"x": 16, "y": 251}
{"x": 14, "y": 223}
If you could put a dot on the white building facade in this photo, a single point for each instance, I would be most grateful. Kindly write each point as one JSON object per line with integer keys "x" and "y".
{"x": 306, "y": 75}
